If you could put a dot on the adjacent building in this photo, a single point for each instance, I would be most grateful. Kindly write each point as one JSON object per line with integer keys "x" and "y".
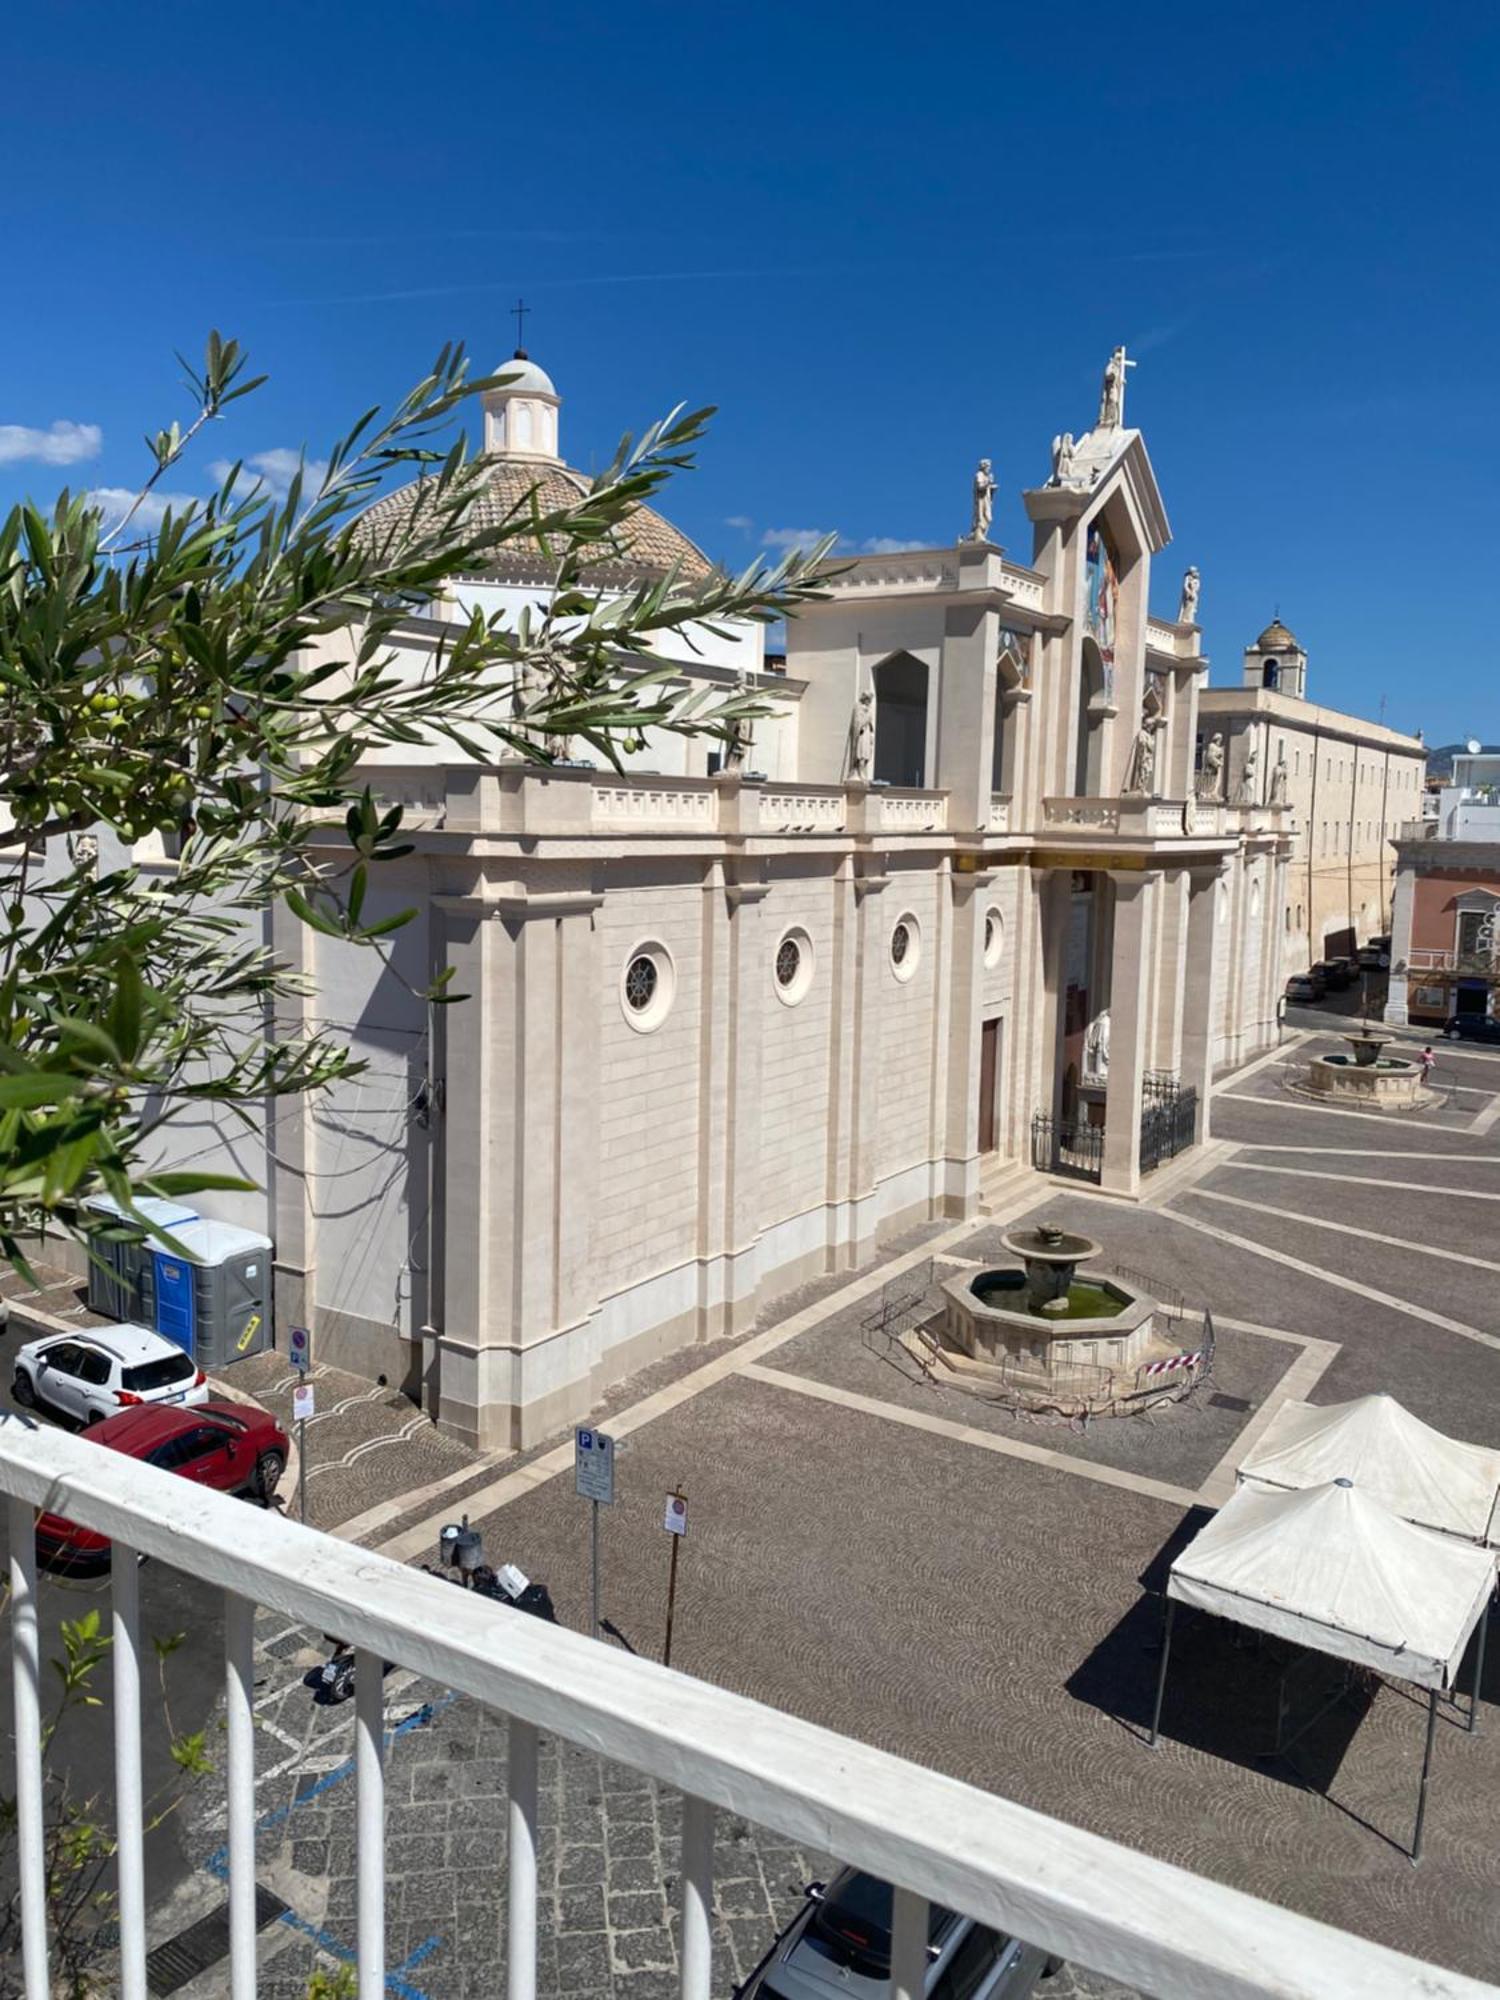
{"x": 1445, "y": 938}
{"x": 1350, "y": 785}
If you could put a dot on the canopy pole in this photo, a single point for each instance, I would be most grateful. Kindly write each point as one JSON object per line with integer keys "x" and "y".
{"x": 1161, "y": 1678}
{"x": 1416, "y": 1839}
{"x": 1484, "y": 1626}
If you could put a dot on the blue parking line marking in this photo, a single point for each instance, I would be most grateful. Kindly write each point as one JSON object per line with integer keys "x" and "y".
{"x": 217, "y": 1863}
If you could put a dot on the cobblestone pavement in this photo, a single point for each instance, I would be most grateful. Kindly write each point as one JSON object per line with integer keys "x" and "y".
{"x": 986, "y": 1613}
{"x": 607, "y": 1854}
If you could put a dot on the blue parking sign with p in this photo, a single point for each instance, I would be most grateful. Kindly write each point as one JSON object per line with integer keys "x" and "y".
{"x": 594, "y": 1466}
{"x": 299, "y": 1347}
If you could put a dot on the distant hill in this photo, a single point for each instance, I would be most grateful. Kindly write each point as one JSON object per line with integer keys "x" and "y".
{"x": 1440, "y": 757}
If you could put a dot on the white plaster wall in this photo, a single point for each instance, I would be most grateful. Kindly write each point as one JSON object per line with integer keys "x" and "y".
{"x": 646, "y": 1217}
{"x": 795, "y": 1047}
{"x": 906, "y": 1026}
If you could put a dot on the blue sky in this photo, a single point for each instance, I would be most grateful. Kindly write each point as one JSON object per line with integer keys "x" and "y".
{"x": 883, "y": 242}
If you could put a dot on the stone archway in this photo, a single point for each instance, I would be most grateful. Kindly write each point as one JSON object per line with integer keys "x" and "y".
{"x": 1093, "y": 696}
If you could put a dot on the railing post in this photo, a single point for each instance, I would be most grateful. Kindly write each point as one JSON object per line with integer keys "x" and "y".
{"x": 130, "y": 1867}
{"x": 697, "y": 1898}
{"x": 520, "y": 1971}
{"x": 25, "y": 1642}
{"x": 239, "y": 1688}
{"x": 908, "y": 1945}
{"x": 369, "y": 1779}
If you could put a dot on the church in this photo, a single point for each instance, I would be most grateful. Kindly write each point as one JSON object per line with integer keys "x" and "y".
{"x": 962, "y": 908}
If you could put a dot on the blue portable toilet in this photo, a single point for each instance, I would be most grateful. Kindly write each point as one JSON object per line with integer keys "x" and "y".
{"x": 116, "y": 1267}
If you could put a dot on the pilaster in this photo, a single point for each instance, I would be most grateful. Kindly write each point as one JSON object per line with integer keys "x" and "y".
{"x": 1130, "y": 971}
{"x": 1200, "y": 992}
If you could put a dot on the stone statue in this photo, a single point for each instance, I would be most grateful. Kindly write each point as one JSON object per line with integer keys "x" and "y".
{"x": 1112, "y": 396}
{"x": 984, "y": 502}
{"x": 1062, "y": 459}
{"x": 1187, "y": 610}
{"x": 1140, "y": 779}
{"x": 1211, "y": 777}
{"x": 741, "y": 739}
{"x": 1245, "y": 796}
{"x": 862, "y": 757}
{"x": 1279, "y": 778}
{"x": 1096, "y": 1046}
{"x": 533, "y": 686}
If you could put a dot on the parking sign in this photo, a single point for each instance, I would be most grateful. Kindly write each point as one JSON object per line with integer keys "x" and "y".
{"x": 594, "y": 1466}
{"x": 299, "y": 1348}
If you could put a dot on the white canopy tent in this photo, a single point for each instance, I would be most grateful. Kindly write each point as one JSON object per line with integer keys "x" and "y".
{"x": 1393, "y": 1457}
{"x": 1332, "y": 1569}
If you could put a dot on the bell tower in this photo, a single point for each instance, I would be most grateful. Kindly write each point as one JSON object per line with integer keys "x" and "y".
{"x": 1276, "y": 662}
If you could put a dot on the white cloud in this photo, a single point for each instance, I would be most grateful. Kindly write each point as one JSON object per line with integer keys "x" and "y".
{"x": 793, "y": 538}
{"x": 806, "y": 538}
{"x": 741, "y": 521}
{"x": 116, "y": 502}
{"x": 275, "y": 470}
{"x": 61, "y": 444}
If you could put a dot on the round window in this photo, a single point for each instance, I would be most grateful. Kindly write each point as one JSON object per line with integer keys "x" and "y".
{"x": 647, "y": 987}
{"x": 906, "y": 947}
{"x": 994, "y": 936}
{"x": 793, "y": 966}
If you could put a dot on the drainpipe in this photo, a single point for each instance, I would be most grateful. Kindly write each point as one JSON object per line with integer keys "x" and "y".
{"x": 1312, "y": 829}
{"x": 1385, "y": 784}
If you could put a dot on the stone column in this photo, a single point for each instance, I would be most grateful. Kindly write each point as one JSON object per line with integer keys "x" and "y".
{"x": 1200, "y": 992}
{"x": 1056, "y": 908}
{"x": 1130, "y": 974}
{"x": 960, "y": 1144}
{"x": 735, "y": 967}
{"x": 965, "y": 690}
{"x": 464, "y": 1059}
{"x": 291, "y": 1144}
{"x": 1398, "y": 991}
{"x": 870, "y": 946}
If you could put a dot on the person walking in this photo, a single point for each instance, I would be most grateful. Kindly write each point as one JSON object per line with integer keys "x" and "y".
{"x": 1429, "y": 1061}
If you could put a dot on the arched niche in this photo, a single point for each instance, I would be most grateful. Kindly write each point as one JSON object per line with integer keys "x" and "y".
{"x": 1093, "y": 705}
{"x": 900, "y": 684}
{"x": 1010, "y": 692}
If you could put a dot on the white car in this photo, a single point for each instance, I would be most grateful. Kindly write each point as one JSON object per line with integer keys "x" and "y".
{"x": 101, "y": 1370}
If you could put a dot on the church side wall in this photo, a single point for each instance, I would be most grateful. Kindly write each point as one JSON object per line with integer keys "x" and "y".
{"x": 792, "y": 1113}
{"x": 904, "y": 1079}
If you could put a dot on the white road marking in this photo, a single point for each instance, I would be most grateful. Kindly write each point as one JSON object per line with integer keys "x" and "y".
{"x": 1318, "y": 1110}
{"x": 1483, "y": 1120}
{"x": 1370, "y": 1153}
{"x": 1360, "y": 1180}
{"x": 1346, "y": 1229}
{"x": 1295, "y": 1386}
{"x": 1421, "y": 1314}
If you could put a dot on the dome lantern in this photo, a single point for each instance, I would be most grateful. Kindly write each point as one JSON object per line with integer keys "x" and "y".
{"x": 520, "y": 413}
{"x": 1276, "y": 662}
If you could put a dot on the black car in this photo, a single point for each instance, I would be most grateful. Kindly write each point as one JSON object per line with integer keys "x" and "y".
{"x": 1338, "y": 973}
{"x": 1473, "y": 1028}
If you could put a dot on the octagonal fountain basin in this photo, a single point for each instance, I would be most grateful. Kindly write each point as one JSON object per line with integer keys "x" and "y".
{"x": 1366, "y": 1077}
{"x": 994, "y": 1316}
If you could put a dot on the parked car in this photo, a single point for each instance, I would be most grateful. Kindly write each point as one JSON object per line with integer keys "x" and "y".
{"x": 1302, "y": 986}
{"x": 838, "y": 1947}
{"x": 1368, "y": 957}
{"x": 101, "y": 1370}
{"x": 1473, "y": 1028}
{"x": 232, "y": 1447}
{"x": 1338, "y": 973}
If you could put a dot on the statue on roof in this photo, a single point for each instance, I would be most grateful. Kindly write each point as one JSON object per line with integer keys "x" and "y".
{"x": 1211, "y": 777}
{"x": 1063, "y": 448}
{"x": 1112, "y": 396}
{"x": 1245, "y": 796}
{"x": 984, "y": 502}
{"x": 1279, "y": 781}
{"x": 1187, "y": 610}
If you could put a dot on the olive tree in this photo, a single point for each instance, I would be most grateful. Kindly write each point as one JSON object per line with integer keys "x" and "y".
{"x": 219, "y": 680}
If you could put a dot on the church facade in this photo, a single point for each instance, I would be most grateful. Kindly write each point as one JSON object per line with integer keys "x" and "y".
{"x": 957, "y": 911}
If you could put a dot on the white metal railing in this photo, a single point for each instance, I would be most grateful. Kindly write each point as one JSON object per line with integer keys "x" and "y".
{"x": 1069, "y": 1891}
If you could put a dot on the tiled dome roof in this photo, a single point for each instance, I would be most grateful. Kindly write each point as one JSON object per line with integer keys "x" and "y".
{"x": 1277, "y": 639}
{"x": 649, "y": 544}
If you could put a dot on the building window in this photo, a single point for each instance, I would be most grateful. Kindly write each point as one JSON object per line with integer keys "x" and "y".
{"x": 648, "y": 986}
{"x": 1288, "y": 917}
{"x": 994, "y": 937}
{"x": 906, "y": 947}
{"x": 640, "y": 983}
{"x": 793, "y": 966}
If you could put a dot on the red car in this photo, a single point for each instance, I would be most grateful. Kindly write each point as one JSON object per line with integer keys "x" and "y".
{"x": 229, "y": 1446}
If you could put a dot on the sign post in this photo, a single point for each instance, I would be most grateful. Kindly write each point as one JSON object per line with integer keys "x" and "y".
{"x": 594, "y": 1481}
{"x": 302, "y": 1409}
{"x": 675, "y": 1523}
{"x": 299, "y": 1350}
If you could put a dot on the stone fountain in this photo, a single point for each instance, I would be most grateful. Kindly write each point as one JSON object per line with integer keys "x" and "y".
{"x": 1366, "y": 1077}
{"x": 1038, "y": 1335}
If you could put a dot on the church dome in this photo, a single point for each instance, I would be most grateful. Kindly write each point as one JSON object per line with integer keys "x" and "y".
{"x": 648, "y": 544}
{"x": 1276, "y": 639}
{"x": 521, "y": 458}
{"x": 524, "y": 376}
